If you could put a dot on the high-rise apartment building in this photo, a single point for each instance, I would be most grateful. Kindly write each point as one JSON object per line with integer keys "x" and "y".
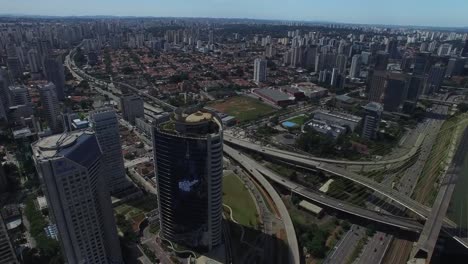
{"x": 132, "y": 107}
{"x": 444, "y": 49}
{"x": 260, "y": 70}
{"x": 355, "y": 66}
{"x": 54, "y": 71}
{"x": 34, "y": 61}
{"x": 70, "y": 168}
{"x": 188, "y": 158}
{"x": 50, "y": 105}
{"x": 371, "y": 120}
{"x": 106, "y": 126}
{"x": 341, "y": 61}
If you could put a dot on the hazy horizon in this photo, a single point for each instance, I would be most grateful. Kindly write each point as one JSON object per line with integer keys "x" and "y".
{"x": 450, "y": 13}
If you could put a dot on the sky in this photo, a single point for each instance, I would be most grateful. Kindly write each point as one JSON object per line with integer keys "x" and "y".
{"x": 392, "y": 12}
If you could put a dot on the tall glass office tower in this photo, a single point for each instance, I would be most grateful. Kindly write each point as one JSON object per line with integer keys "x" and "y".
{"x": 188, "y": 157}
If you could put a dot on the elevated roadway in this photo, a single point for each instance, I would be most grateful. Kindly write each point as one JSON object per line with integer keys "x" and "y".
{"x": 413, "y": 151}
{"x": 417, "y": 208}
{"x": 246, "y": 163}
{"x": 320, "y": 198}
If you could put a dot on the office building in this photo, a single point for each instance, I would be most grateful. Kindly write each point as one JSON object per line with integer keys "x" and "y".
{"x": 376, "y": 86}
{"x": 54, "y": 71}
{"x": 381, "y": 61}
{"x": 415, "y": 87}
{"x": 7, "y": 253}
{"x": 455, "y": 67}
{"x": 395, "y": 92}
{"x": 132, "y": 107}
{"x": 50, "y": 106}
{"x": 434, "y": 79}
{"x": 106, "y": 126}
{"x": 19, "y": 95}
{"x": 371, "y": 120}
{"x": 355, "y": 66}
{"x": 392, "y": 48}
{"x": 70, "y": 167}
{"x": 3, "y": 180}
{"x": 188, "y": 157}
{"x": 444, "y": 50}
{"x": 260, "y": 70}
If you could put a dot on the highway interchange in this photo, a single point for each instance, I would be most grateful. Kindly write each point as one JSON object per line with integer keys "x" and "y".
{"x": 406, "y": 184}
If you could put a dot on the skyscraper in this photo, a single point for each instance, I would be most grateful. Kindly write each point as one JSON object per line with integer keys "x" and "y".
{"x": 54, "y": 71}
{"x": 188, "y": 157}
{"x": 260, "y": 70}
{"x": 434, "y": 79}
{"x": 132, "y": 107}
{"x": 3, "y": 179}
{"x": 355, "y": 66}
{"x": 455, "y": 67}
{"x": 381, "y": 61}
{"x": 19, "y": 95}
{"x": 371, "y": 120}
{"x": 465, "y": 49}
{"x": 50, "y": 105}
{"x": 14, "y": 66}
{"x": 7, "y": 253}
{"x": 106, "y": 126}
{"x": 377, "y": 86}
{"x": 415, "y": 87}
{"x": 392, "y": 48}
{"x": 33, "y": 58}
{"x": 395, "y": 92}
{"x": 341, "y": 61}
{"x": 70, "y": 168}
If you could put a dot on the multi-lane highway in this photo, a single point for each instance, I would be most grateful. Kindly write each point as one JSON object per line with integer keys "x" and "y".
{"x": 387, "y": 191}
{"x": 249, "y": 165}
{"x": 320, "y": 198}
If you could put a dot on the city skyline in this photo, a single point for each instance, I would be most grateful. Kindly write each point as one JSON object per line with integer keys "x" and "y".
{"x": 398, "y": 12}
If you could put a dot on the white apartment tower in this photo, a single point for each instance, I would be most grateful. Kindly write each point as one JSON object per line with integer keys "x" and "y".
{"x": 355, "y": 66}
{"x": 260, "y": 70}
{"x": 69, "y": 166}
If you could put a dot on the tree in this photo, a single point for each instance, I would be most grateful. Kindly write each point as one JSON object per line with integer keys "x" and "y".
{"x": 463, "y": 107}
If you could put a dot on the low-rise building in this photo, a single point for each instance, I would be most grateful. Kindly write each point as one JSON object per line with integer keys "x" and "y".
{"x": 274, "y": 96}
{"x": 338, "y": 118}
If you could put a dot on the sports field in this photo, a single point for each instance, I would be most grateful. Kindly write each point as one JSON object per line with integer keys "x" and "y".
{"x": 243, "y": 108}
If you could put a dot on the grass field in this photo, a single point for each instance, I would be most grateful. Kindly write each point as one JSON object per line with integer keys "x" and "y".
{"x": 243, "y": 108}
{"x": 135, "y": 210}
{"x": 299, "y": 120}
{"x": 236, "y": 196}
{"x": 425, "y": 190}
